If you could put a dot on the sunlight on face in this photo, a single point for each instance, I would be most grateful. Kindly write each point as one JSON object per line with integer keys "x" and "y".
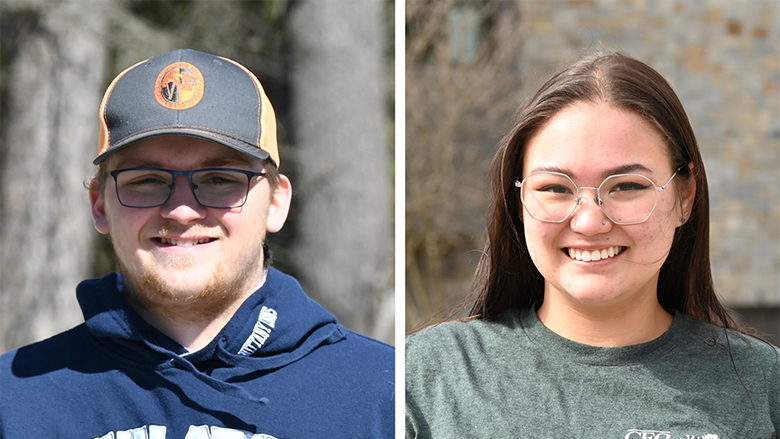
{"x": 181, "y": 251}
{"x": 587, "y": 260}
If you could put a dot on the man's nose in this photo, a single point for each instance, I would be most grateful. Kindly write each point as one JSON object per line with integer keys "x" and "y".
{"x": 182, "y": 204}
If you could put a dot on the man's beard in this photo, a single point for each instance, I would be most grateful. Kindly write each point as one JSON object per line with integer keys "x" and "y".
{"x": 146, "y": 287}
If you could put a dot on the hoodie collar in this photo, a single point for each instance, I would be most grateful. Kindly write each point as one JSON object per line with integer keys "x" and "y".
{"x": 277, "y": 325}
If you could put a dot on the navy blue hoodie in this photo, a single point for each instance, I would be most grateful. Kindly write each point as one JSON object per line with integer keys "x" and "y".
{"x": 281, "y": 368}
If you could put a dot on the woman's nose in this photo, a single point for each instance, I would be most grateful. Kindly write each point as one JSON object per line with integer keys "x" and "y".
{"x": 588, "y": 218}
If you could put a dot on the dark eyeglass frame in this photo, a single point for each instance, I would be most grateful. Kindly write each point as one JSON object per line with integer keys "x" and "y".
{"x": 188, "y": 174}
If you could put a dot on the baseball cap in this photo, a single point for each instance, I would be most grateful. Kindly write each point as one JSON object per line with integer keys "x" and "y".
{"x": 191, "y": 93}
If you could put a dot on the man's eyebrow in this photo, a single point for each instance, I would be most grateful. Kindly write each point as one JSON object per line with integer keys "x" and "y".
{"x": 214, "y": 162}
{"x": 218, "y": 162}
{"x": 135, "y": 162}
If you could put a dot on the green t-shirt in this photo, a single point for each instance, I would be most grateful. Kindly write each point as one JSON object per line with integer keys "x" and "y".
{"x": 514, "y": 378}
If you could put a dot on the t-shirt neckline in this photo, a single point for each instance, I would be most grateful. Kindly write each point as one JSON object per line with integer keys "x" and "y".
{"x": 553, "y": 344}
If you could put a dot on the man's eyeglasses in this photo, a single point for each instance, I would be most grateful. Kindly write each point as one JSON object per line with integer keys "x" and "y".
{"x": 218, "y": 188}
{"x": 625, "y": 198}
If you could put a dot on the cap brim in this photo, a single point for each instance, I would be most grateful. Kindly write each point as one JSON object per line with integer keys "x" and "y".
{"x": 235, "y": 144}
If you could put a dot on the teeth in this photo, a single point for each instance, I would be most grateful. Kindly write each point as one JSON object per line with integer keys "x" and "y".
{"x": 594, "y": 255}
{"x": 586, "y": 256}
{"x": 183, "y": 243}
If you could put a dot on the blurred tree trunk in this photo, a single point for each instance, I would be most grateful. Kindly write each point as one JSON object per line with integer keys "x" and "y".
{"x": 344, "y": 162}
{"x": 49, "y": 140}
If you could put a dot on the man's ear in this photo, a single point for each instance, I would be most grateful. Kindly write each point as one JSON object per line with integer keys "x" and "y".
{"x": 280, "y": 205}
{"x": 97, "y": 201}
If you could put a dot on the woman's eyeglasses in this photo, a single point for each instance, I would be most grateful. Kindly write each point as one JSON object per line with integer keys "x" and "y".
{"x": 624, "y": 198}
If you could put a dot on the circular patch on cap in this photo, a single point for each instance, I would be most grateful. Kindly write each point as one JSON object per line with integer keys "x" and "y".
{"x": 179, "y": 86}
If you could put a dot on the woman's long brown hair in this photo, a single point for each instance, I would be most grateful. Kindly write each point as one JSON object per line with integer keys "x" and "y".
{"x": 507, "y": 278}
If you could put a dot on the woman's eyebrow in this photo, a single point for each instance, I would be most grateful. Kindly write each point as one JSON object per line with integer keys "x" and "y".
{"x": 622, "y": 169}
{"x": 627, "y": 169}
{"x": 551, "y": 169}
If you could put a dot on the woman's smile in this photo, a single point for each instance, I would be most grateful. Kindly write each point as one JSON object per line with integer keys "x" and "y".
{"x": 594, "y": 255}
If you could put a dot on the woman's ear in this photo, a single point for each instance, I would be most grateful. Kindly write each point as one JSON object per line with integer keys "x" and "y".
{"x": 97, "y": 201}
{"x": 688, "y": 195}
{"x": 280, "y": 205}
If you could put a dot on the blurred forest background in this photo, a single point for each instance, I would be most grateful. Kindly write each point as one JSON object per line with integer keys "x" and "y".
{"x": 327, "y": 67}
{"x": 469, "y": 65}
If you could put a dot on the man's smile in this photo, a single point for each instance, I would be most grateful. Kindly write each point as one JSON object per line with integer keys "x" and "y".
{"x": 184, "y": 242}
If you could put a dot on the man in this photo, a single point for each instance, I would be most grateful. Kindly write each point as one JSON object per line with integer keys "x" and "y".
{"x": 196, "y": 337}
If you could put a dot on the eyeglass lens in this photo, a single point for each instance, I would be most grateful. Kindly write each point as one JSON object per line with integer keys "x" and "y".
{"x": 552, "y": 197}
{"x": 216, "y": 188}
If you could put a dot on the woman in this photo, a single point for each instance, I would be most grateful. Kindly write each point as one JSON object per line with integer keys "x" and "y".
{"x": 592, "y": 311}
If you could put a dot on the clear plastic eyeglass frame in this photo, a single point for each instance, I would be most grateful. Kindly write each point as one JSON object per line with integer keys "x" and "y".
{"x": 599, "y": 201}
